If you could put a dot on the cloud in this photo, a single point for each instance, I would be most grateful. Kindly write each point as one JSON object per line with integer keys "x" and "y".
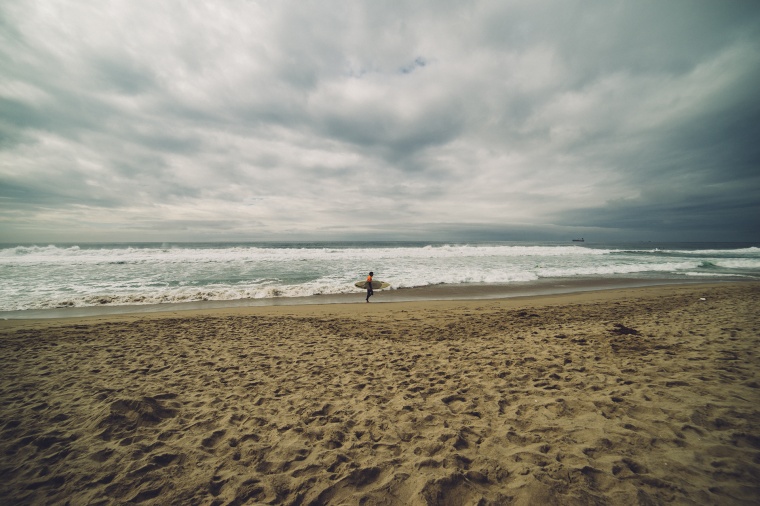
{"x": 250, "y": 120}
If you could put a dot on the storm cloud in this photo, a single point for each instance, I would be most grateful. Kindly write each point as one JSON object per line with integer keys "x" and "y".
{"x": 247, "y": 120}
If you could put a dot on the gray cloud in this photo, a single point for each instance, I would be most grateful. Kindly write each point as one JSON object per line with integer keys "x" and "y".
{"x": 254, "y": 120}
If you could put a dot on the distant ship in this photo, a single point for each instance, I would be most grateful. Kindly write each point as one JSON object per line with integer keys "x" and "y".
{"x": 579, "y": 240}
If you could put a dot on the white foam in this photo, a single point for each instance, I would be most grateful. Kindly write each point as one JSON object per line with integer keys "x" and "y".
{"x": 75, "y": 254}
{"x": 54, "y": 276}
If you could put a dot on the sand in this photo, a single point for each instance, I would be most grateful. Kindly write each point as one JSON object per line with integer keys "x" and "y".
{"x": 635, "y": 396}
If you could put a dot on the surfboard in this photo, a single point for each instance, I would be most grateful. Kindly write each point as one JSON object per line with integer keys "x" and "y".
{"x": 376, "y": 285}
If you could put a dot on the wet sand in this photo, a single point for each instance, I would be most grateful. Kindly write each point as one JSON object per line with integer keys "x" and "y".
{"x": 630, "y": 396}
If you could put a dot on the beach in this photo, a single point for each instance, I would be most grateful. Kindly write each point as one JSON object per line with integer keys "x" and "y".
{"x": 642, "y": 395}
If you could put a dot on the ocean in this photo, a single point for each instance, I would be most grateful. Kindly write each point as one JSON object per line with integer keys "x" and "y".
{"x": 38, "y": 279}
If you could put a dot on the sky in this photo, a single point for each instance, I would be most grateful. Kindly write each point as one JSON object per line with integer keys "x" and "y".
{"x": 243, "y": 120}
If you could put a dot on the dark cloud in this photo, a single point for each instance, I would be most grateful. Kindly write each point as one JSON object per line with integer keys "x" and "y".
{"x": 714, "y": 215}
{"x": 465, "y": 120}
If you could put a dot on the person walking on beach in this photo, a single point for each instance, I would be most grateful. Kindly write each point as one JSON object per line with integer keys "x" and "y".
{"x": 370, "y": 293}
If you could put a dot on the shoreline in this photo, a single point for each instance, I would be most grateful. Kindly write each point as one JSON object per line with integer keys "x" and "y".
{"x": 542, "y": 287}
{"x": 380, "y": 310}
{"x": 627, "y": 396}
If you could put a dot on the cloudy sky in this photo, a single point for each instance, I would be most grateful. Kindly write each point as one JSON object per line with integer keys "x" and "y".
{"x": 444, "y": 120}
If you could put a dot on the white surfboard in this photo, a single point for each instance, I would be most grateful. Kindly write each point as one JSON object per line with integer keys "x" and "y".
{"x": 376, "y": 285}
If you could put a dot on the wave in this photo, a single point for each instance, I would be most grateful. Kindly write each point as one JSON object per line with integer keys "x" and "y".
{"x": 737, "y": 251}
{"x": 749, "y": 252}
{"x": 214, "y": 253}
{"x": 76, "y": 254}
{"x": 85, "y": 275}
{"x": 173, "y": 295}
{"x": 128, "y": 291}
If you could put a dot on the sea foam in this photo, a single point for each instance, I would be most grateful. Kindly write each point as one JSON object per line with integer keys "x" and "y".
{"x": 49, "y": 276}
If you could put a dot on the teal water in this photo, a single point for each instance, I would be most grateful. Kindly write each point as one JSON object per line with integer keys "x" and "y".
{"x": 85, "y": 275}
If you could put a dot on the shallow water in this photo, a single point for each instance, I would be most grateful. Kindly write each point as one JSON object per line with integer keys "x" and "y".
{"x": 54, "y": 277}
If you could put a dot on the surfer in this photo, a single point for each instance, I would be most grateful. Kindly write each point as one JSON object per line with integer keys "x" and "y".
{"x": 370, "y": 293}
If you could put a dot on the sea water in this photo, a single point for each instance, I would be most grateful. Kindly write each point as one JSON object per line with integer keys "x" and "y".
{"x": 86, "y": 275}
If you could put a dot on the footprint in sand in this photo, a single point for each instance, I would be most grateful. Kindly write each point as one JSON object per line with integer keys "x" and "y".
{"x": 213, "y": 439}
